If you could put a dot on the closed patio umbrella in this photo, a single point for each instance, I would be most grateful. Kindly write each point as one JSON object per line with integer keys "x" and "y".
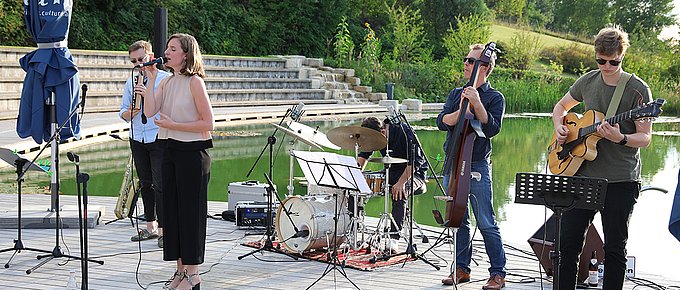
{"x": 51, "y": 73}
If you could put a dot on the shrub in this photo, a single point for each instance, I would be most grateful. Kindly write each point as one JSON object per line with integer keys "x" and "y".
{"x": 469, "y": 30}
{"x": 343, "y": 45}
{"x": 523, "y": 50}
{"x": 577, "y": 59}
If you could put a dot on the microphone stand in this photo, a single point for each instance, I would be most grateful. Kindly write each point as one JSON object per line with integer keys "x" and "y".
{"x": 411, "y": 248}
{"x": 19, "y": 163}
{"x": 81, "y": 177}
{"x": 269, "y": 233}
{"x": 54, "y": 141}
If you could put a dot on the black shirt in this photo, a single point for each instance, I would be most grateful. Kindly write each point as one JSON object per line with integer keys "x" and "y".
{"x": 399, "y": 148}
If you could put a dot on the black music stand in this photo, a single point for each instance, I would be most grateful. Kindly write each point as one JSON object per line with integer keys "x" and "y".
{"x": 560, "y": 193}
{"x": 335, "y": 171}
{"x": 21, "y": 164}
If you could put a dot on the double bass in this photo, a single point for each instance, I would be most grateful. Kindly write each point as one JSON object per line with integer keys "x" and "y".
{"x": 459, "y": 151}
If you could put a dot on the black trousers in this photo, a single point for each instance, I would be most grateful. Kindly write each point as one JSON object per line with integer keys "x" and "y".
{"x": 618, "y": 208}
{"x": 185, "y": 184}
{"x": 147, "y": 158}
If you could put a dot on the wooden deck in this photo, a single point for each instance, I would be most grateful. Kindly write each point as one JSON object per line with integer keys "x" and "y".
{"x": 125, "y": 268}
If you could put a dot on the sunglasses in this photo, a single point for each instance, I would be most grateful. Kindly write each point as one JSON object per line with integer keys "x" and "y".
{"x": 140, "y": 60}
{"x": 613, "y": 62}
{"x": 469, "y": 60}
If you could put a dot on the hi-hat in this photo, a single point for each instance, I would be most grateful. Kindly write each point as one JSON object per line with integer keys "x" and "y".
{"x": 367, "y": 139}
{"x": 312, "y": 134}
{"x": 297, "y": 136}
{"x": 386, "y": 160}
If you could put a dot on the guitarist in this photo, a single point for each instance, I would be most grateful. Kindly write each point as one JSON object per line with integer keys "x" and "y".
{"x": 488, "y": 105}
{"x": 618, "y": 158}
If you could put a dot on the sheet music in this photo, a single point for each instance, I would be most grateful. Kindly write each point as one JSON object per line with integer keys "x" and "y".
{"x": 342, "y": 171}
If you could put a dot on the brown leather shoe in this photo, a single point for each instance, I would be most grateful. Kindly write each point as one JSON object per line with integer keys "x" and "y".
{"x": 461, "y": 276}
{"x": 494, "y": 283}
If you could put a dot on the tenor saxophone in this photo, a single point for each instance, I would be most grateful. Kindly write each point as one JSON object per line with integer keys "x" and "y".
{"x": 126, "y": 193}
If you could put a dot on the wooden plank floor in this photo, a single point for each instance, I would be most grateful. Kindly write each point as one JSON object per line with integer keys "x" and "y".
{"x": 125, "y": 268}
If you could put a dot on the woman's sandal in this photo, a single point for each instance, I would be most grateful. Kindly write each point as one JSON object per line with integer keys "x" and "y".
{"x": 175, "y": 280}
{"x": 190, "y": 281}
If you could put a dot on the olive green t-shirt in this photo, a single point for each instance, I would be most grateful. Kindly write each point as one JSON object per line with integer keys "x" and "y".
{"x": 617, "y": 163}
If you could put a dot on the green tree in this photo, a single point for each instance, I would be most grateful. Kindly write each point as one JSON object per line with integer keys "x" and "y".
{"x": 407, "y": 35}
{"x": 643, "y": 15}
{"x": 583, "y": 17}
{"x": 512, "y": 10}
{"x": 469, "y": 30}
{"x": 438, "y": 21}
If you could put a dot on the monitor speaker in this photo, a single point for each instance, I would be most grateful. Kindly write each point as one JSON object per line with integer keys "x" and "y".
{"x": 542, "y": 248}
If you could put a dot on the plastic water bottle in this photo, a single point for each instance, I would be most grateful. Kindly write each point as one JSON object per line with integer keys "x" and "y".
{"x": 72, "y": 284}
{"x": 600, "y": 273}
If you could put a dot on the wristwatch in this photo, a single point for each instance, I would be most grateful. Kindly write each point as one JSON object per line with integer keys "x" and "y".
{"x": 624, "y": 141}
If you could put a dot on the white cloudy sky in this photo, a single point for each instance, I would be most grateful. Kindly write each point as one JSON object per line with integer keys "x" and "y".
{"x": 673, "y": 31}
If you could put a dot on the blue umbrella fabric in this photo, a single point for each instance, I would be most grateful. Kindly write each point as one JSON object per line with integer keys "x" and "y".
{"x": 50, "y": 69}
{"x": 674, "y": 224}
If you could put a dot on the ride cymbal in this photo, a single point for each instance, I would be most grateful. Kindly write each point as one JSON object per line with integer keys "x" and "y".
{"x": 347, "y": 136}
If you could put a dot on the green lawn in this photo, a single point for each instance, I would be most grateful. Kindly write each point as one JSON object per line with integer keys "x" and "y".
{"x": 505, "y": 33}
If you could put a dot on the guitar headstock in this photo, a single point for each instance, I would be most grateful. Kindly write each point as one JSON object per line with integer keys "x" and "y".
{"x": 649, "y": 111}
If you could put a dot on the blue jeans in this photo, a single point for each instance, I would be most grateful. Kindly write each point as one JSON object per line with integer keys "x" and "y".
{"x": 482, "y": 207}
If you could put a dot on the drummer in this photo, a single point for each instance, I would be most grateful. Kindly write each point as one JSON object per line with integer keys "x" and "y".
{"x": 398, "y": 136}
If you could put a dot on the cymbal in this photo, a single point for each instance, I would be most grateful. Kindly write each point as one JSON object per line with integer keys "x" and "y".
{"x": 312, "y": 134}
{"x": 386, "y": 160}
{"x": 367, "y": 139}
{"x": 297, "y": 136}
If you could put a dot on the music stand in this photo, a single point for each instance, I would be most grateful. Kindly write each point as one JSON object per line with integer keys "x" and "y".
{"x": 560, "y": 193}
{"x": 21, "y": 164}
{"x": 336, "y": 171}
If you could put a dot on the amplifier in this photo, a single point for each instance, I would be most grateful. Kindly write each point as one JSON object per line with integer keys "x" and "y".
{"x": 251, "y": 190}
{"x": 253, "y": 214}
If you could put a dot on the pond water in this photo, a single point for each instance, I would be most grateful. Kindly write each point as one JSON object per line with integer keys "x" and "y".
{"x": 520, "y": 147}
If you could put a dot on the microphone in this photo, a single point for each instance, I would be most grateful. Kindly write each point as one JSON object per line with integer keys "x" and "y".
{"x": 73, "y": 157}
{"x": 159, "y": 60}
{"x": 393, "y": 116}
{"x": 82, "y": 99}
{"x": 301, "y": 234}
{"x": 297, "y": 111}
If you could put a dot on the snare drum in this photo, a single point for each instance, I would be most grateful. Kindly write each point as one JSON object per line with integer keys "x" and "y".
{"x": 375, "y": 181}
{"x": 314, "y": 214}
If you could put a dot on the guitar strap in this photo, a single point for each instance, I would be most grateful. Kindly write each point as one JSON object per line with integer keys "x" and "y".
{"x": 618, "y": 93}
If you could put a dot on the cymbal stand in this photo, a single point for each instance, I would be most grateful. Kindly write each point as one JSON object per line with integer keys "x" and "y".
{"x": 386, "y": 219}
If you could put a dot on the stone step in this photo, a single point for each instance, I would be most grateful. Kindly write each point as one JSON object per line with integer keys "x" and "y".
{"x": 252, "y": 95}
{"x": 272, "y": 73}
{"x": 116, "y": 83}
{"x": 93, "y": 57}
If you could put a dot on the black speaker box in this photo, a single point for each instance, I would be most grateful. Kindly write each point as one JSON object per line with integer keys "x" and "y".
{"x": 542, "y": 248}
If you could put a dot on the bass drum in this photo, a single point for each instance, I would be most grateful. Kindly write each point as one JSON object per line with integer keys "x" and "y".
{"x": 314, "y": 214}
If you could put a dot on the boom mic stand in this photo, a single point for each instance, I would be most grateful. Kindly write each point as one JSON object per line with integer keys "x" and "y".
{"x": 411, "y": 248}
{"x": 269, "y": 233}
{"x": 54, "y": 141}
{"x": 21, "y": 164}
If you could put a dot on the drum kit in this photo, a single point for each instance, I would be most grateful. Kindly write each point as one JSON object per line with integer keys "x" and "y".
{"x": 315, "y": 215}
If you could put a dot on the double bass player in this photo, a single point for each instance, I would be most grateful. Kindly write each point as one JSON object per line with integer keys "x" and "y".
{"x": 486, "y": 105}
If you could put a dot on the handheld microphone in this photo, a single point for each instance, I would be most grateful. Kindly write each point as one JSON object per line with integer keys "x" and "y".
{"x": 297, "y": 111}
{"x": 73, "y": 157}
{"x": 159, "y": 60}
{"x": 82, "y": 99}
{"x": 392, "y": 115}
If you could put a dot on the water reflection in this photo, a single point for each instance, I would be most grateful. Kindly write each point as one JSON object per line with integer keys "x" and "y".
{"x": 520, "y": 147}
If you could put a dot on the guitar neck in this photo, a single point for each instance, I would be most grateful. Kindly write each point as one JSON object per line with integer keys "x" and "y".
{"x": 613, "y": 120}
